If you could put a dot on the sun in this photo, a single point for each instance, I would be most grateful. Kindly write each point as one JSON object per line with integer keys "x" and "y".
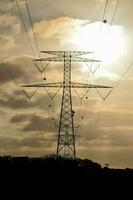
{"x": 106, "y": 41}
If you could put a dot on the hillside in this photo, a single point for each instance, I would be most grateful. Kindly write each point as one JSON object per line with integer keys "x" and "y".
{"x": 51, "y": 166}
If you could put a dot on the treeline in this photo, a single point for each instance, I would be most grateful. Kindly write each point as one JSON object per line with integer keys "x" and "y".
{"x": 59, "y": 166}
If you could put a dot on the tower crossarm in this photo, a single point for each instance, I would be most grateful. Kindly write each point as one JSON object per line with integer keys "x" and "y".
{"x": 84, "y": 85}
{"x": 47, "y": 85}
{"x": 61, "y": 59}
{"x": 61, "y": 56}
{"x": 62, "y": 84}
{"x": 62, "y": 53}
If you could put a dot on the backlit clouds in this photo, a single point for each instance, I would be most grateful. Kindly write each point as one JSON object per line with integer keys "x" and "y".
{"x": 60, "y": 28}
{"x": 107, "y": 41}
{"x": 6, "y": 42}
{"x": 9, "y": 22}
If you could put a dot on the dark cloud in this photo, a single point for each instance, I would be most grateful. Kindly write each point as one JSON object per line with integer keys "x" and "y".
{"x": 37, "y": 142}
{"x": 30, "y": 142}
{"x": 14, "y": 102}
{"x": 20, "y": 69}
{"x": 19, "y": 118}
{"x": 18, "y": 100}
{"x": 38, "y": 123}
{"x": 8, "y": 142}
{"x": 15, "y": 71}
{"x": 6, "y": 6}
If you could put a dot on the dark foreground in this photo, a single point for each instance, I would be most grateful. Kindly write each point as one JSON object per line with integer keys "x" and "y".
{"x": 51, "y": 166}
{"x": 59, "y": 176}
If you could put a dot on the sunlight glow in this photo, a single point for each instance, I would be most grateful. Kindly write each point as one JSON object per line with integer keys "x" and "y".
{"x": 108, "y": 43}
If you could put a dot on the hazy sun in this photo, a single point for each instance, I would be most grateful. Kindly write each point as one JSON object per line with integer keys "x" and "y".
{"x": 108, "y": 43}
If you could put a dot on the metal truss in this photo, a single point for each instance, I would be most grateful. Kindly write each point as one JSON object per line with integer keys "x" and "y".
{"x": 66, "y": 135}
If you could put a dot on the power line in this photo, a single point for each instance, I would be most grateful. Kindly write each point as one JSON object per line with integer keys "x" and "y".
{"x": 124, "y": 74}
{"x": 103, "y": 17}
{"x": 23, "y": 22}
{"x": 32, "y": 27}
{"x": 116, "y": 8}
{"x": 34, "y": 35}
{"x": 99, "y": 113}
{"x": 28, "y": 37}
{"x": 113, "y": 17}
{"x": 81, "y": 97}
{"x": 15, "y": 82}
{"x": 18, "y": 85}
{"x": 97, "y": 121}
{"x": 8, "y": 72}
{"x": 104, "y": 13}
{"x": 100, "y": 28}
{"x": 52, "y": 97}
{"x": 106, "y": 4}
{"x": 36, "y": 43}
{"x": 118, "y": 82}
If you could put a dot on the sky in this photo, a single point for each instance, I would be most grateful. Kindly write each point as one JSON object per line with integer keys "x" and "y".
{"x": 105, "y": 134}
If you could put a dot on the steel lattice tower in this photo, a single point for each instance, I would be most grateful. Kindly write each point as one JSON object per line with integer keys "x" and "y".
{"x": 66, "y": 136}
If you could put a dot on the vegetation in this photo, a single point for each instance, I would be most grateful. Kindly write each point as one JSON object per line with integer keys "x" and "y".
{"x": 58, "y": 166}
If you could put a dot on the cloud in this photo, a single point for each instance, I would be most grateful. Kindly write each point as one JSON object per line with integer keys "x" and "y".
{"x": 20, "y": 144}
{"x": 6, "y": 6}
{"x": 15, "y": 69}
{"x": 9, "y": 23}
{"x": 83, "y": 35}
{"x": 17, "y": 100}
{"x": 6, "y": 42}
{"x": 19, "y": 118}
{"x": 61, "y": 28}
{"x": 119, "y": 119}
{"x": 38, "y": 123}
{"x": 14, "y": 103}
{"x": 21, "y": 69}
{"x": 112, "y": 145}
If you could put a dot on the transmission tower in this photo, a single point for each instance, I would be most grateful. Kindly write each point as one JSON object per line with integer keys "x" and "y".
{"x": 66, "y": 136}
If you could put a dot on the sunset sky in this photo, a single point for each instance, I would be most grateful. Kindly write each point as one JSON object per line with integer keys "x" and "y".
{"x": 106, "y": 128}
